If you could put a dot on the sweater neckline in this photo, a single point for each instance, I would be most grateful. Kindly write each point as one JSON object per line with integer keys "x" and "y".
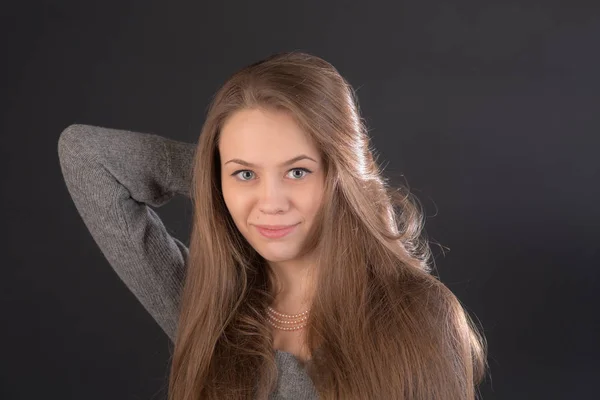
{"x": 286, "y": 355}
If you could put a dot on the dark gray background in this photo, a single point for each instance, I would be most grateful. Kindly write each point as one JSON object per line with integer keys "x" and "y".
{"x": 489, "y": 111}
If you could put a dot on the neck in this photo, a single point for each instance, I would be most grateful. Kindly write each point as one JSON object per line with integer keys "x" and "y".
{"x": 295, "y": 292}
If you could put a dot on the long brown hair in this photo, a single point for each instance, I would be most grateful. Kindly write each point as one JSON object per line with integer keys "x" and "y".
{"x": 381, "y": 325}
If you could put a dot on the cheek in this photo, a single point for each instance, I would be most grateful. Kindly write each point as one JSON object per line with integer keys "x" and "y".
{"x": 310, "y": 201}
{"x": 238, "y": 206}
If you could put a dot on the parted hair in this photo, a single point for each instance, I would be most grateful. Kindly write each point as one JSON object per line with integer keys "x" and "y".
{"x": 381, "y": 324}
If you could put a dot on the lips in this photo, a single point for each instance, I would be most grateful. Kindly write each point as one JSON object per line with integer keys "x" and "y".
{"x": 275, "y": 231}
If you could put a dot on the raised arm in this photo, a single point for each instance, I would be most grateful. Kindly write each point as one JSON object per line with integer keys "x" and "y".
{"x": 113, "y": 176}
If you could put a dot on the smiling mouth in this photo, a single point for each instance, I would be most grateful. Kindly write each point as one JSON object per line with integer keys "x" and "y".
{"x": 275, "y": 231}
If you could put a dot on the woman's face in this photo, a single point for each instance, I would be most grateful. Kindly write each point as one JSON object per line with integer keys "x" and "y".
{"x": 272, "y": 177}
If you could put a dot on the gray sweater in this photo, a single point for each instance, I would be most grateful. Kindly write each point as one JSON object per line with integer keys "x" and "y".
{"x": 113, "y": 177}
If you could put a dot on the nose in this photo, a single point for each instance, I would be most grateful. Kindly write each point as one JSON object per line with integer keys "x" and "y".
{"x": 273, "y": 197}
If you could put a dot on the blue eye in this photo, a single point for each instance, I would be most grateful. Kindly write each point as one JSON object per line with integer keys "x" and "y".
{"x": 246, "y": 175}
{"x": 243, "y": 171}
{"x": 304, "y": 172}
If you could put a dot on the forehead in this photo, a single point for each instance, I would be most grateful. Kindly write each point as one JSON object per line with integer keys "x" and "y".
{"x": 258, "y": 135}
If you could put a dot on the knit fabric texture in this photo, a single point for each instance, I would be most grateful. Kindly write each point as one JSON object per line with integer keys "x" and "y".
{"x": 114, "y": 178}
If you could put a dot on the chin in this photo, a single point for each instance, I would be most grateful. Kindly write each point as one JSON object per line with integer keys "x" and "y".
{"x": 277, "y": 255}
{"x": 277, "y": 258}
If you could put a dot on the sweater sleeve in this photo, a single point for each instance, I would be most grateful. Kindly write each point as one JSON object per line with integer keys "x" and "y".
{"x": 113, "y": 176}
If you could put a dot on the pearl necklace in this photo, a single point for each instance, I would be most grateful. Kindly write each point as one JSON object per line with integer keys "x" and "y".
{"x": 301, "y": 319}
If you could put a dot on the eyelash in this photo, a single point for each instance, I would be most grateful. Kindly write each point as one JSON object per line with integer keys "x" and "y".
{"x": 247, "y": 180}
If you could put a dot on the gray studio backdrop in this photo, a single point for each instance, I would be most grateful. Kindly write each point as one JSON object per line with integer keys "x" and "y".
{"x": 489, "y": 111}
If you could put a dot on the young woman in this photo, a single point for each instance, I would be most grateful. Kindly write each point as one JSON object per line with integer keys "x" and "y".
{"x": 306, "y": 275}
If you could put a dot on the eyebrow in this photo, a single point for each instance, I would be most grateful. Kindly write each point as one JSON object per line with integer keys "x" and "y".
{"x": 288, "y": 162}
